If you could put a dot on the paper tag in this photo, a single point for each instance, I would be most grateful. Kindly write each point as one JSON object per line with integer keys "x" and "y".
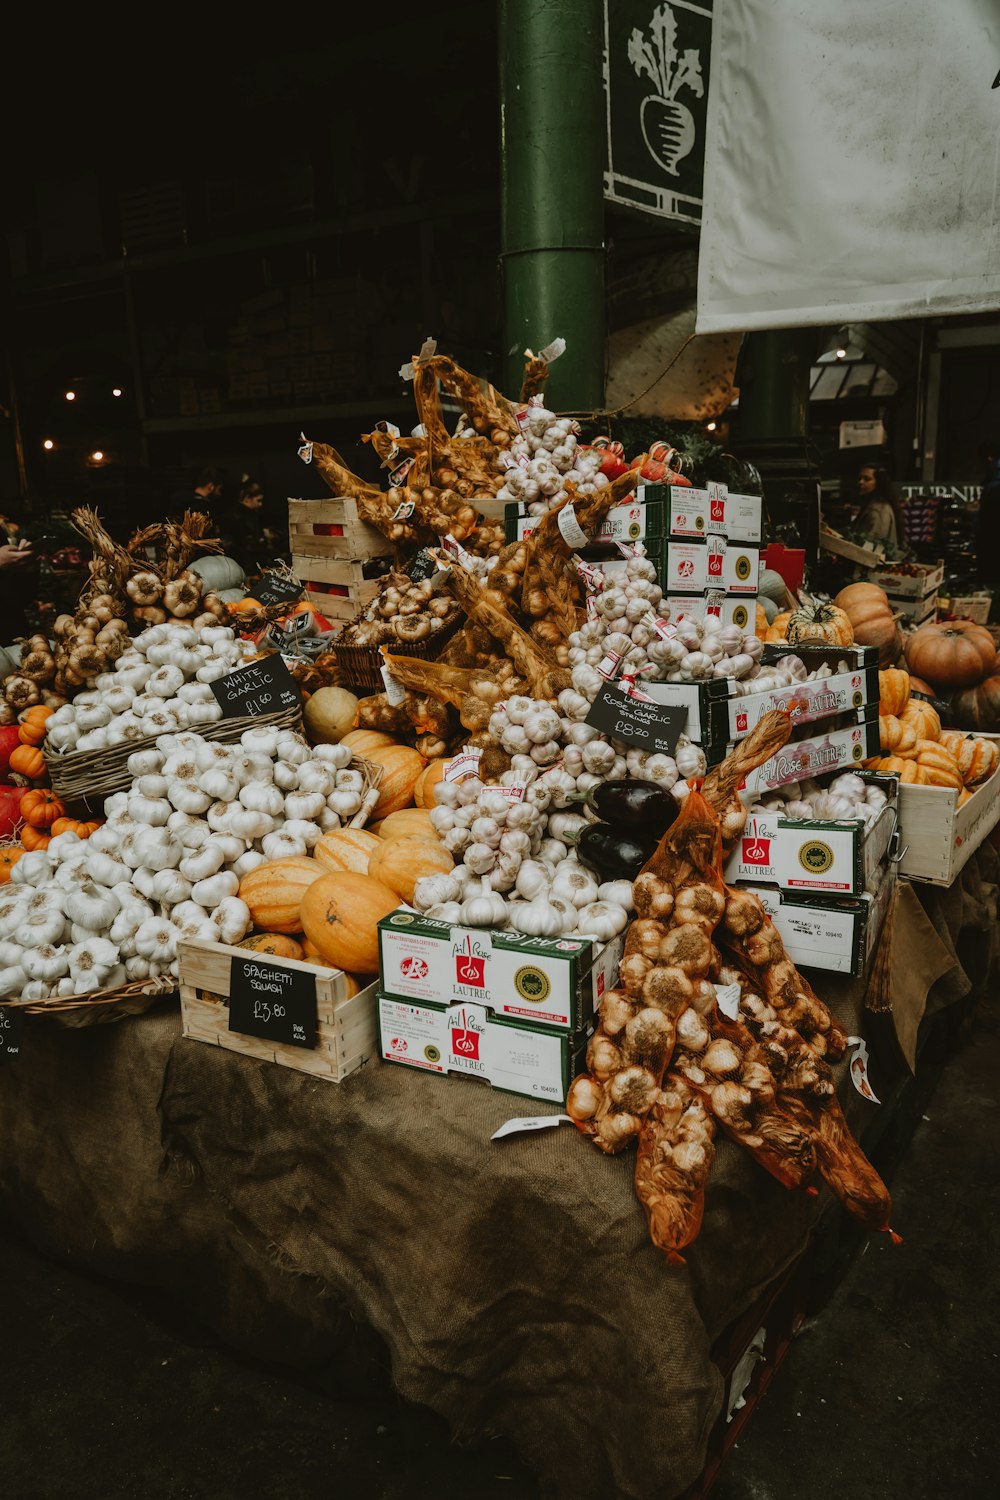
{"x": 664, "y": 629}
{"x": 530, "y": 1122}
{"x": 389, "y": 427}
{"x": 608, "y": 665}
{"x": 506, "y": 460}
{"x": 521, "y": 417}
{"x": 395, "y": 692}
{"x": 11, "y": 1031}
{"x": 427, "y": 348}
{"x": 514, "y": 793}
{"x": 306, "y": 451}
{"x": 571, "y": 530}
{"x": 633, "y": 689}
{"x": 859, "y": 1070}
{"x": 552, "y": 351}
{"x": 466, "y": 764}
{"x": 626, "y": 550}
{"x": 592, "y": 611}
{"x": 592, "y": 576}
{"x": 459, "y": 553}
{"x": 728, "y": 998}
{"x": 396, "y": 478}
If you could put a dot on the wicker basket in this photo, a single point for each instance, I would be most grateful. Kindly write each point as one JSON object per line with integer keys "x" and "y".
{"x": 362, "y": 665}
{"x": 87, "y": 774}
{"x": 98, "y": 1007}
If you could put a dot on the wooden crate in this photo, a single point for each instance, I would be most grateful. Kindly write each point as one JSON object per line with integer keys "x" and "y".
{"x": 936, "y": 836}
{"x": 346, "y": 1033}
{"x": 340, "y": 587}
{"x": 332, "y": 528}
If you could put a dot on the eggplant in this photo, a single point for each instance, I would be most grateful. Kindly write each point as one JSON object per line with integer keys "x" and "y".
{"x": 615, "y": 853}
{"x": 640, "y": 805}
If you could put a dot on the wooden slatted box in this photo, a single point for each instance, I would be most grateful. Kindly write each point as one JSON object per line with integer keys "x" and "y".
{"x": 340, "y": 587}
{"x": 347, "y": 1030}
{"x": 332, "y": 528}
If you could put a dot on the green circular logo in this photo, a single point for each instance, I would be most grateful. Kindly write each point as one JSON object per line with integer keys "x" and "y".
{"x": 634, "y": 531}
{"x": 401, "y": 919}
{"x": 532, "y": 985}
{"x": 816, "y": 857}
{"x": 741, "y": 615}
{"x": 432, "y": 1053}
{"x": 743, "y": 567}
{"x": 857, "y": 753}
{"x": 858, "y": 700}
{"x": 699, "y": 523}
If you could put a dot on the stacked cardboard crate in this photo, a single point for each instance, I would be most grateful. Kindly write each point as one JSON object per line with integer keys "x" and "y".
{"x": 513, "y": 1010}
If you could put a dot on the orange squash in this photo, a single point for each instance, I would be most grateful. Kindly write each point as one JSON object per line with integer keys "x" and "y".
{"x": 872, "y": 620}
{"x": 399, "y": 863}
{"x": 346, "y": 849}
{"x": 274, "y": 892}
{"x": 951, "y": 656}
{"x": 82, "y": 829}
{"x": 977, "y": 758}
{"x": 778, "y": 628}
{"x": 28, "y": 761}
{"x": 408, "y": 822}
{"x": 963, "y": 797}
{"x": 340, "y": 916}
{"x": 8, "y": 859}
{"x": 278, "y": 943}
{"x": 922, "y": 719}
{"x": 427, "y": 781}
{"x": 34, "y": 838}
{"x": 907, "y": 770}
{"x": 401, "y": 766}
{"x": 940, "y": 765}
{"x": 32, "y": 724}
{"x": 41, "y": 807}
{"x": 896, "y": 737}
{"x": 363, "y": 741}
{"x": 893, "y": 690}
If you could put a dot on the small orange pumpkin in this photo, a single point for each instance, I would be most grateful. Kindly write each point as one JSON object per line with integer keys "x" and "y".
{"x": 893, "y": 690}
{"x": 32, "y": 724}
{"x": 340, "y": 916}
{"x": 940, "y": 765}
{"x": 82, "y": 829}
{"x": 364, "y": 741}
{"x": 34, "y": 838}
{"x": 8, "y": 859}
{"x": 896, "y": 737}
{"x": 778, "y": 628}
{"x": 977, "y": 759}
{"x": 277, "y": 943}
{"x": 872, "y": 620}
{"x": 41, "y": 807}
{"x": 907, "y": 770}
{"x": 346, "y": 849}
{"x": 955, "y": 655}
{"x": 28, "y": 761}
{"x": 408, "y": 822}
{"x": 922, "y": 718}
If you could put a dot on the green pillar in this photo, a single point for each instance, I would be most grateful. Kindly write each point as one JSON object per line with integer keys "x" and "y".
{"x": 773, "y": 378}
{"x": 552, "y": 122}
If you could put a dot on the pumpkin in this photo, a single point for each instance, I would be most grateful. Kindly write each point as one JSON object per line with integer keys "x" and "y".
{"x": 399, "y": 863}
{"x": 872, "y": 620}
{"x": 761, "y": 622}
{"x": 978, "y": 707}
{"x": 8, "y": 859}
{"x": 896, "y": 737}
{"x": 940, "y": 765}
{"x": 277, "y": 943}
{"x": 819, "y": 622}
{"x": 28, "y": 761}
{"x": 922, "y": 718}
{"x": 772, "y": 586}
{"x": 32, "y": 725}
{"x": 778, "y": 629}
{"x": 893, "y": 690}
{"x": 10, "y": 738}
{"x": 352, "y": 984}
{"x": 424, "y": 793}
{"x": 921, "y": 688}
{"x": 217, "y": 573}
{"x": 401, "y": 766}
{"x": 82, "y": 829}
{"x": 346, "y": 849}
{"x": 951, "y": 656}
{"x": 274, "y": 892}
{"x": 329, "y": 714}
{"x": 977, "y": 759}
{"x": 340, "y": 916}
{"x": 414, "y": 822}
{"x": 364, "y": 741}
{"x": 963, "y": 797}
{"x": 907, "y": 770}
{"x": 41, "y": 807}
{"x": 34, "y": 838}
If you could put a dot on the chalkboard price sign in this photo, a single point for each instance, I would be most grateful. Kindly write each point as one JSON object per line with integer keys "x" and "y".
{"x": 274, "y": 589}
{"x": 11, "y": 1028}
{"x": 264, "y": 687}
{"x": 272, "y": 1001}
{"x": 424, "y": 565}
{"x": 648, "y": 726}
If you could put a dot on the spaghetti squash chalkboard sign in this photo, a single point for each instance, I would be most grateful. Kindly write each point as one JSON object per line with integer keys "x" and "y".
{"x": 272, "y": 1001}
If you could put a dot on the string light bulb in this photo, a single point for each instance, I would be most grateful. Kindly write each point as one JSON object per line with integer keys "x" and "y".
{"x": 711, "y": 426}
{"x": 71, "y": 395}
{"x": 116, "y": 390}
{"x": 97, "y": 456}
{"x": 48, "y": 445}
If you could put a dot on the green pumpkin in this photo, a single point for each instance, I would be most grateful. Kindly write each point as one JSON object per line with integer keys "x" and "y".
{"x": 772, "y": 586}
{"x": 217, "y": 573}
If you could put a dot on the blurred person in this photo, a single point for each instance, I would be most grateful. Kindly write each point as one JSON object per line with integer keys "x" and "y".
{"x": 880, "y": 518}
{"x": 243, "y": 530}
{"x": 205, "y": 495}
{"x": 988, "y": 526}
{"x": 19, "y": 578}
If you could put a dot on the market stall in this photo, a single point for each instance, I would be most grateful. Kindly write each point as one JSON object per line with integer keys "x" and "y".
{"x": 522, "y": 781}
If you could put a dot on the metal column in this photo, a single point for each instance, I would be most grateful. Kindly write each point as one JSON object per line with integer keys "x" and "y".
{"x": 552, "y": 192}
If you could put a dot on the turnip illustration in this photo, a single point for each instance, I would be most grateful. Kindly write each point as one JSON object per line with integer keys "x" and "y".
{"x": 668, "y": 126}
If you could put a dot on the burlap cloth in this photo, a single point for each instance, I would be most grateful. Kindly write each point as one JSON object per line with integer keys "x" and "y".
{"x": 510, "y": 1286}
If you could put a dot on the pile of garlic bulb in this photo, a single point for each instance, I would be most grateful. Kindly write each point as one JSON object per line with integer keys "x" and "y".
{"x": 543, "y": 458}
{"x": 92, "y": 914}
{"x": 847, "y": 796}
{"x": 160, "y": 684}
{"x": 784, "y": 673}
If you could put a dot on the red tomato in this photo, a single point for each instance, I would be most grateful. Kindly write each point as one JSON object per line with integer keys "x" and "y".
{"x": 9, "y": 741}
{"x": 10, "y": 809}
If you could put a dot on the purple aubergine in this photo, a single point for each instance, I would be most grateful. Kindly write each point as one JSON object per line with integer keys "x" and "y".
{"x": 641, "y": 805}
{"x": 615, "y": 853}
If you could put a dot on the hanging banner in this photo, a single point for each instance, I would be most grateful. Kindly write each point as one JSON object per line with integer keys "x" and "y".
{"x": 851, "y": 163}
{"x": 655, "y": 83}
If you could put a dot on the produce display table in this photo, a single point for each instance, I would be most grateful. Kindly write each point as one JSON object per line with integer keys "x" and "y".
{"x": 513, "y": 1283}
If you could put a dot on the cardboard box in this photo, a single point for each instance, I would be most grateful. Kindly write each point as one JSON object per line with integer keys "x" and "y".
{"x": 907, "y": 586}
{"x": 815, "y": 855}
{"x": 837, "y": 935}
{"x": 936, "y": 836}
{"x": 837, "y": 750}
{"x": 694, "y": 567}
{"x": 714, "y": 511}
{"x": 731, "y": 609}
{"x": 915, "y": 612}
{"x": 466, "y": 1040}
{"x": 555, "y": 983}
